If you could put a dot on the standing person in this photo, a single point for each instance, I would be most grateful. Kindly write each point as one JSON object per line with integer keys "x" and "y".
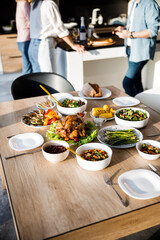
{"x": 46, "y": 26}
{"x": 140, "y": 41}
{"x": 23, "y": 33}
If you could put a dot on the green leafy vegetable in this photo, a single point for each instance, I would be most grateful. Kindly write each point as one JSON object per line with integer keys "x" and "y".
{"x": 132, "y": 115}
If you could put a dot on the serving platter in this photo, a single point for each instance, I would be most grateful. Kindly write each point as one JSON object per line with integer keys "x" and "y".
{"x": 36, "y": 125}
{"x": 106, "y": 93}
{"x": 25, "y": 141}
{"x": 101, "y": 137}
{"x": 140, "y": 184}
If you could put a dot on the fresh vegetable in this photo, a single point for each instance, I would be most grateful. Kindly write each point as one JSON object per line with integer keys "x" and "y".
{"x": 105, "y": 112}
{"x": 71, "y": 103}
{"x": 40, "y": 117}
{"x": 149, "y": 149}
{"x": 90, "y": 129}
{"x": 46, "y": 104}
{"x": 50, "y": 117}
{"x": 106, "y": 115}
{"x": 120, "y": 137}
{"x": 94, "y": 155}
{"x": 46, "y": 113}
{"x": 131, "y": 115}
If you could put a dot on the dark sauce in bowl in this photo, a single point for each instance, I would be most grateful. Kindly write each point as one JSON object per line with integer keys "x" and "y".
{"x": 54, "y": 149}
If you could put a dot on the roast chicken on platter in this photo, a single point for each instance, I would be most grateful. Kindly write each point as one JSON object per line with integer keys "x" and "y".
{"x": 71, "y": 127}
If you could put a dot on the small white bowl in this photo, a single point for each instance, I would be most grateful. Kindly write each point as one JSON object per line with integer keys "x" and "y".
{"x": 55, "y": 157}
{"x": 7, "y": 28}
{"x": 94, "y": 165}
{"x": 135, "y": 124}
{"x": 145, "y": 155}
{"x": 72, "y": 111}
{"x": 98, "y": 121}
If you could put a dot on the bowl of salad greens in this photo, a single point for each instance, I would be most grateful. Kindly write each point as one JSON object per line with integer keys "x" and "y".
{"x": 72, "y": 106}
{"x": 133, "y": 117}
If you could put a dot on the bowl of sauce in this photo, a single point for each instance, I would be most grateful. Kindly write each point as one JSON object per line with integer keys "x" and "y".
{"x": 55, "y": 151}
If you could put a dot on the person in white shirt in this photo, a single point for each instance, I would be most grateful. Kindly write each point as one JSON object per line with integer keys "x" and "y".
{"x": 45, "y": 26}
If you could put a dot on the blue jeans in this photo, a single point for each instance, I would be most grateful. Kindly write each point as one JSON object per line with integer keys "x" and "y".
{"x": 33, "y": 54}
{"x": 132, "y": 82}
{"x": 26, "y": 64}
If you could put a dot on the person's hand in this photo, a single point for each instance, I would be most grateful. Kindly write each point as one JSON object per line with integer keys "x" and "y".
{"x": 123, "y": 34}
{"x": 118, "y": 29}
{"x": 78, "y": 48}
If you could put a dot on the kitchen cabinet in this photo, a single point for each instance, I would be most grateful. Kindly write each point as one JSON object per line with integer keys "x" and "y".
{"x": 10, "y": 55}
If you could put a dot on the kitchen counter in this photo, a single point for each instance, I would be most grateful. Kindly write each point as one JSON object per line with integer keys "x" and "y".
{"x": 118, "y": 43}
{"x": 71, "y": 65}
{"x": 98, "y": 62}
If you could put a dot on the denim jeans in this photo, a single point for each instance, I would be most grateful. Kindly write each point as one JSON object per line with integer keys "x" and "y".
{"x": 33, "y": 54}
{"x": 132, "y": 82}
{"x": 26, "y": 64}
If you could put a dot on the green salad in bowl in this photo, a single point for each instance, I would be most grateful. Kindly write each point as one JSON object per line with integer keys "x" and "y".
{"x": 134, "y": 117}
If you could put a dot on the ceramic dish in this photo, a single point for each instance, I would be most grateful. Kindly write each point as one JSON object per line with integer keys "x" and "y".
{"x": 106, "y": 93}
{"x": 55, "y": 157}
{"x": 26, "y": 141}
{"x": 7, "y": 28}
{"x": 42, "y": 105}
{"x": 93, "y": 165}
{"x": 37, "y": 126}
{"x": 135, "y": 124}
{"x": 101, "y": 138}
{"x": 72, "y": 111}
{"x": 125, "y": 101}
{"x": 99, "y": 121}
{"x": 146, "y": 155}
{"x": 140, "y": 184}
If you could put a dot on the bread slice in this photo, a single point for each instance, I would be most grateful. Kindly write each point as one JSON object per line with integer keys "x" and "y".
{"x": 91, "y": 90}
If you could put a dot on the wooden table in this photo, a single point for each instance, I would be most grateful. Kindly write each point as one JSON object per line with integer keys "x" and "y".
{"x": 63, "y": 201}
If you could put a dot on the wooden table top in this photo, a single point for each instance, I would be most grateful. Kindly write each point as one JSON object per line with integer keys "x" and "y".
{"x": 63, "y": 200}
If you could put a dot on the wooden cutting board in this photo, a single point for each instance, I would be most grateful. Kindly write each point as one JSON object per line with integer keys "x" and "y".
{"x": 101, "y": 42}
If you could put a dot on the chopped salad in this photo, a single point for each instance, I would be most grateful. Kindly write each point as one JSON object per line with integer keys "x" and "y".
{"x": 72, "y": 103}
{"x": 131, "y": 115}
{"x": 94, "y": 155}
{"x": 149, "y": 149}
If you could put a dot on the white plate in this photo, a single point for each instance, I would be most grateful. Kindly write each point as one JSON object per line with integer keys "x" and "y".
{"x": 115, "y": 128}
{"x": 58, "y": 96}
{"x": 140, "y": 184}
{"x": 125, "y": 101}
{"x": 105, "y": 94}
{"x": 26, "y": 141}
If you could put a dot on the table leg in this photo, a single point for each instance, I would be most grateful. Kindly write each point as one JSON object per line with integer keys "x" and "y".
{"x": 2, "y": 174}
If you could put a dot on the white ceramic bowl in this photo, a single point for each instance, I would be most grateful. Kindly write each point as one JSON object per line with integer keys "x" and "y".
{"x": 96, "y": 165}
{"x": 145, "y": 155}
{"x": 7, "y": 28}
{"x": 55, "y": 157}
{"x": 72, "y": 111}
{"x": 135, "y": 124}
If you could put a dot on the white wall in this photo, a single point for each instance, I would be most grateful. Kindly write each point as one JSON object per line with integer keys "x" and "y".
{"x": 106, "y": 72}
